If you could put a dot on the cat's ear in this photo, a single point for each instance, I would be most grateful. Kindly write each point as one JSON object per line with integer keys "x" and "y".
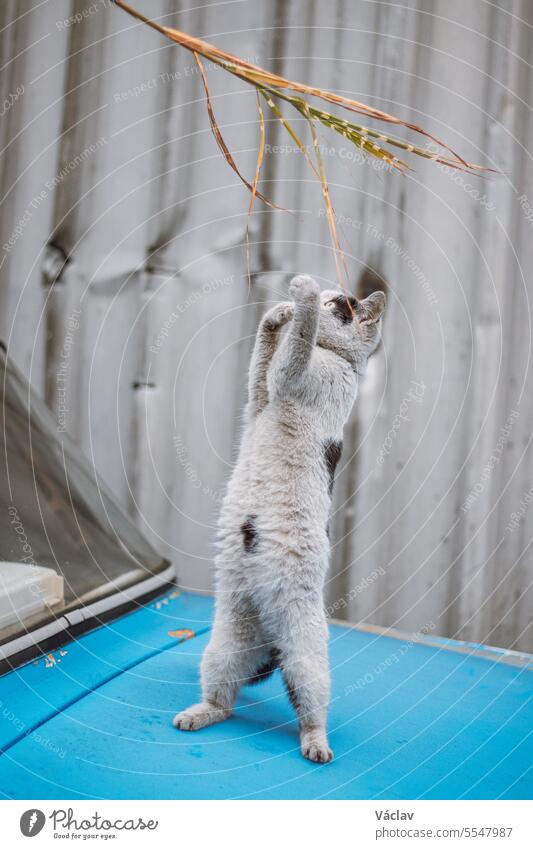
{"x": 371, "y": 309}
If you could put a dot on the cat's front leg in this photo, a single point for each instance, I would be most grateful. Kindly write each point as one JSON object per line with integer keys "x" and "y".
{"x": 265, "y": 344}
{"x": 292, "y": 364}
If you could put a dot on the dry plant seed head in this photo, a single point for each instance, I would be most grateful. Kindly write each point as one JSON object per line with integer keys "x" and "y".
{"x": 271, "y": 87}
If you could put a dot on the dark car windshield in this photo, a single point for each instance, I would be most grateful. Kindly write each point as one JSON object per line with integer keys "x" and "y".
{"x": 64, "y": 542}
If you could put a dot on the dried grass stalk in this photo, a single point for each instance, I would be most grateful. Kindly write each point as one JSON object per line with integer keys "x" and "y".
{"x": 270, "y": 86}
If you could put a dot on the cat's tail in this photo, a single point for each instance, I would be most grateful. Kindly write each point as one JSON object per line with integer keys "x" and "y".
{"x": 266, "y": 669}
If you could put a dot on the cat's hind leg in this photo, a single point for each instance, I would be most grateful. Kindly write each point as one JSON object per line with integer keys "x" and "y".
{"x": 304, "y": 663}
{"x": 233, "y": 657}
{"x": 199, "y": 716}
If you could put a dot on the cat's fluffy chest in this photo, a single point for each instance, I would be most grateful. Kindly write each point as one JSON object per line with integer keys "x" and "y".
{"x": 284, "y": 472}
{"x": 324, "y": 401}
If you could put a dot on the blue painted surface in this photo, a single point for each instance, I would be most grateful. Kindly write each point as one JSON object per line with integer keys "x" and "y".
{"x": 406, "y": 721}
{"x": 34, "y": 693}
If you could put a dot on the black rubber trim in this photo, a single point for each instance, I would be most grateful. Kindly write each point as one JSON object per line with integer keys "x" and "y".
{"x": 68, "y": 635}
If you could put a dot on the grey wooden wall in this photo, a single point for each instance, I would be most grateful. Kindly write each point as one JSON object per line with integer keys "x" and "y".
{"x": 124, "y": 295}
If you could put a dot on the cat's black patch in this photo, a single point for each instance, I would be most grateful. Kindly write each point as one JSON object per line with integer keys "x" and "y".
{"x": 332, "y": 455}
{"x": 249, "y": 534}
{"x": 266, "y": 669}
{"x": 344, "y": 308}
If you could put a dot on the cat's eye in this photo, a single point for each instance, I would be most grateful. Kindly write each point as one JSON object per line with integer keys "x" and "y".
{"x": 330, "y": 305}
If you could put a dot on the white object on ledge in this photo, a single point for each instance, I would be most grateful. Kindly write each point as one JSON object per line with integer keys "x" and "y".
{"x": 27, "y": 589}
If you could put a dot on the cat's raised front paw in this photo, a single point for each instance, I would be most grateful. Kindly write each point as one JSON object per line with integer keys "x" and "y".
{"x": 315, "y": 748}
{"x": 279, "y": 315}
{"x": 303, "y": 287}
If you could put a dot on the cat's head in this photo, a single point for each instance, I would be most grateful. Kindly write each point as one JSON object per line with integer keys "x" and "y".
{"x": 350, "y": 328}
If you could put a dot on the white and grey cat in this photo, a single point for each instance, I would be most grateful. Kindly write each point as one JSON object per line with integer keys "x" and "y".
{"x": 273, "y": 536}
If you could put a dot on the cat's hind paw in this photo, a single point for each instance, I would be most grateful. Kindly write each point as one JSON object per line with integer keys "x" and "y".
{"x": 315, "y": 748}
{"x": 199, "y": 716}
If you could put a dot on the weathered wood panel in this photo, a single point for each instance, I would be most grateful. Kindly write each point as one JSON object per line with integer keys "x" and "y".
{"x": 31, "y": 82}
{"x": 127, "y": 299}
